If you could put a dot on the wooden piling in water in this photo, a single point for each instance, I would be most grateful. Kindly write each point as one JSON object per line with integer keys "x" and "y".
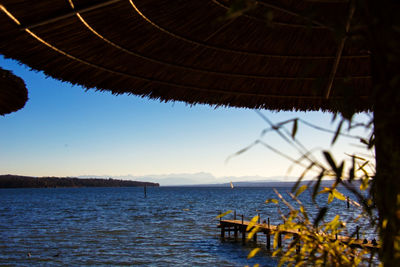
{"x": 235, "y": 228}
{"x": 243, "y": 231}
{"x": 235, "y": 232}
{"x": 243, "y": 235}
{"x": 268, "y": 233}
{"x": 279, "y": 240}
{"x": 357, "y": 232}
{"x": 268, "y": 230}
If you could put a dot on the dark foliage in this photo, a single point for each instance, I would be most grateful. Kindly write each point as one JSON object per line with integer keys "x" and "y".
{"x": 16, "y": 181}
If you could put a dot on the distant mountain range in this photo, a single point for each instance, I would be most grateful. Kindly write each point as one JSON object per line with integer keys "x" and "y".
{"x": 200, "y": 179}
{"x": 275, "y": 184}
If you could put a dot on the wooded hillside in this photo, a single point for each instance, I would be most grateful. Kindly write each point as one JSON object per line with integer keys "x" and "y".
{"x": 16, "y": 181}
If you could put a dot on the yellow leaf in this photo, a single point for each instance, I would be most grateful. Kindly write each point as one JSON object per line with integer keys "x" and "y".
{"x": 384, "y": 223}
{"x": 275, "y": 244}
{"x": 223, "y": 214}
{"x": 364, "y": 184}
{"x": 325, "y": 190}
{"x": 252, "y": 223}
{"x": 253, "y": 232}
{"x": 301, "y": 190}
{"x": 330, "y": 198}
{"x": 338, "y": 195}
{"x": 256, "y": 265}
{"x": 301, "y": 209}
{"x": 253, "y": 253}
{"x": 335, "y": 222}
{"x": 271, "y": 200}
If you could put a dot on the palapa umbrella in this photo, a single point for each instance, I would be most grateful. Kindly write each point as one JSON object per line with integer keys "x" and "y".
{"x": 186, "y": 50}
{"x": 13, "y": 93}
{"x": 270, "y": 54}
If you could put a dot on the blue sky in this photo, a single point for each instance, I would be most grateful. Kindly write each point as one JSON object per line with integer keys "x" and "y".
{"x": 64, "y": 130}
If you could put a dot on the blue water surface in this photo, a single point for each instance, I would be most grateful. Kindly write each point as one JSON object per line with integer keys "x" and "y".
{"x": 119, "y": 226}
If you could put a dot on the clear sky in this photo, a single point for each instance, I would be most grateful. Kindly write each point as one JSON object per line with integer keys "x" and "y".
{"x": 64, "y": 130}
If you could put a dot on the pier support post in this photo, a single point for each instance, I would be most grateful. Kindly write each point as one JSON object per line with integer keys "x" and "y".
{"x": 243, "y": 235}
{"x": 235, "y": 232}
{"x": 269, "y": 236}
{"x": 297, "y": 240}
{"x": 222, "y": 231}
{"x": 235, "y": 228}
{"x": 279, "y": 240}
{"x": 357, "y": 232}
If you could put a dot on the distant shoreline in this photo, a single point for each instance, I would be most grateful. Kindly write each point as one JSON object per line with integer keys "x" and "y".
{"x": 248, "y": 184}
{"x": 17, "y": 181}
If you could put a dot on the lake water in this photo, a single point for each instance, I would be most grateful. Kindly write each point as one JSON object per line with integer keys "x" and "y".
{"x": 118, "y": 226}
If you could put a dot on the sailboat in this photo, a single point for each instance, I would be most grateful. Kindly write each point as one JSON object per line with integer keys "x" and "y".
{"x": 231, "y": 185}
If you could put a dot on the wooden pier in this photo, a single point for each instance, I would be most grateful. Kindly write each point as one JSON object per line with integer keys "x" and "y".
{"x": 240, "y": 226}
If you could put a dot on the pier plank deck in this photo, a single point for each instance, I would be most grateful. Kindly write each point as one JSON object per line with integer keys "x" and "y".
{"x": 268, "y": 229}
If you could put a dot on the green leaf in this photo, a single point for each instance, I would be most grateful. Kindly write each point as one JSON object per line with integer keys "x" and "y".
{"x": 302, "y": 176}
{"x": 371, "y": 142}
{"x": 223, "y": 214}
{"x": 253, "y": 253}
{"x": 352, "y": 171}
{"x": 294, "y": 129}
{"x": 330, "y": 160}
{"x": 337, "y": 133}
{"x": 320, "y": 216}
{"x": 241, "y": 151}
{"x": 317, "y": 184}
{"x": 339, "y": 173}
{"x": 364, "y": 141}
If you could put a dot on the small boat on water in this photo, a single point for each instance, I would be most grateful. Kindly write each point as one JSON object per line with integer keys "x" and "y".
{"x": 231, "y": 185}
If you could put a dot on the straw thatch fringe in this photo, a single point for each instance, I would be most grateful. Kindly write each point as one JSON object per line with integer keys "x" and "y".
{"x": 13, "y": 92}
{"x": 185, "y": 51}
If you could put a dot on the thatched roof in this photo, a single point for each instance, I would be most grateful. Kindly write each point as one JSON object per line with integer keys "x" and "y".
{"x": 187, "y": 51}
{"x": 13, "y": 93}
